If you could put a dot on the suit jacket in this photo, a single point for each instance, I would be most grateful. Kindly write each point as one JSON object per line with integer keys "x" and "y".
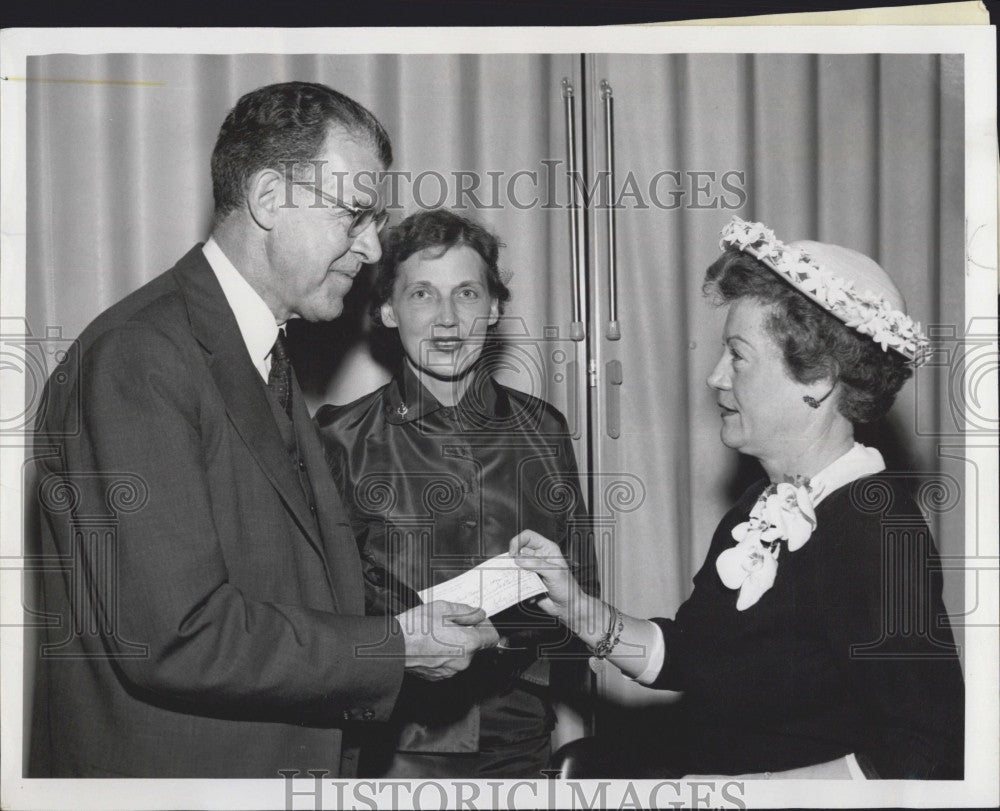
{"x": 208, "y": 608}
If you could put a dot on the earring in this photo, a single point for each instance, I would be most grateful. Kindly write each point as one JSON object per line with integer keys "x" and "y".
{"x": 812, "y": 402}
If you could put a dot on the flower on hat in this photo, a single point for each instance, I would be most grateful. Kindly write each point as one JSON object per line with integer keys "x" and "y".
{"x": 782, "y": 513}
{"x": 769, "y": 246}
{"x": 748, "y": 233}
{"x": 868, "y": 313}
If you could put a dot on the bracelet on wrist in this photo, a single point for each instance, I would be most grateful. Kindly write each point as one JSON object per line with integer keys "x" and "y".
{"x": 607, "y": 643}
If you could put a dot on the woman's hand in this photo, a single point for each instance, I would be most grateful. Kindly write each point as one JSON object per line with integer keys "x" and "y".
{"x": 592, "y": 620}
{"x": 538, "y": 554}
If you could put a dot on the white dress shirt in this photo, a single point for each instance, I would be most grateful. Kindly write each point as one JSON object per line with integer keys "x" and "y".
{"x": 253, "y": 316}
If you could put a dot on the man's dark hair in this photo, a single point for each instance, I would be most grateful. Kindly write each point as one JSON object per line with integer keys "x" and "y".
{"x": 815, "y": 344}
{"x": 437, "y": 230}
{"x": 282, "y": 123}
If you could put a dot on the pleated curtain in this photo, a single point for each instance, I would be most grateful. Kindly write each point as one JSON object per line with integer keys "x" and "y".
{"x": 863, "y": 150}
{"x": 860, "y": 150}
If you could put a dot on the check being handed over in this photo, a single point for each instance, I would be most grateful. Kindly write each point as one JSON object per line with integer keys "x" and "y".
{"x": 493, "y": 585}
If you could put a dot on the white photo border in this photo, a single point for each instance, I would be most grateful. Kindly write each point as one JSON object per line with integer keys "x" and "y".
{"x": 976, "y": 43}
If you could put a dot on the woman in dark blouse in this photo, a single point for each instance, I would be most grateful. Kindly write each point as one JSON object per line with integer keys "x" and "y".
{"x": 815, "y": 642}
{"x": 439, "y": 468}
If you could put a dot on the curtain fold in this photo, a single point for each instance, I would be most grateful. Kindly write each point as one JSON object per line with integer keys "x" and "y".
{"x": 864, "y": 150}
{"x": 861, "y": 150}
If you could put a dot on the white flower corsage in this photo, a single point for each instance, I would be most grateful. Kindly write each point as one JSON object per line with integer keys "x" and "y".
{"x": 783, "y": 512}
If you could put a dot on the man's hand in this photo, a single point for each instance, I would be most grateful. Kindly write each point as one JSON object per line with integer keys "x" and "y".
{"x": 441, "y": 638}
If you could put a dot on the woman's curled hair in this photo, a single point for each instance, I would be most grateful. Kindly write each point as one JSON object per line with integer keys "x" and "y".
{"x": 814, "y": 343}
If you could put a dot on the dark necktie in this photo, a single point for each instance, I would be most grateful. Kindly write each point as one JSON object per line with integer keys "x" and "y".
{"x": 279, "y": 380}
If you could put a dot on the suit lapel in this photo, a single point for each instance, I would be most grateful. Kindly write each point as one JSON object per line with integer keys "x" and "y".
{"x": 214, "y": 326}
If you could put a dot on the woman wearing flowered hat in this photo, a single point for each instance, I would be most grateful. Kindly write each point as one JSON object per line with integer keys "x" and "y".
{"x": 814, "y": 644}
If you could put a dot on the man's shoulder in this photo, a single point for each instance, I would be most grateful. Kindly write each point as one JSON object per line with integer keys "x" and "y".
{"x": 144, "y": 332}
{"x": 159, "y": 304}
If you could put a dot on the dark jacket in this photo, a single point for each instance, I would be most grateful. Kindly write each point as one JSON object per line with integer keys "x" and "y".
{"x": 850, "y": 651}
{"x": 210, "y": 606}
{"x": 436, "y": 490}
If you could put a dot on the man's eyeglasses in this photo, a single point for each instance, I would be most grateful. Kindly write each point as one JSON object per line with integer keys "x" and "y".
{"x": 361, "y": 216}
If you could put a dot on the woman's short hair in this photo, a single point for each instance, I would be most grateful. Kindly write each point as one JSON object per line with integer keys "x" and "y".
{"x": 436, "y": 230}
{"x": 815, "y": 344}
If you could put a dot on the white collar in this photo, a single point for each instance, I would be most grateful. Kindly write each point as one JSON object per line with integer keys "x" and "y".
{"x": 859, "y": 461}
{"x": 253, "y": 316}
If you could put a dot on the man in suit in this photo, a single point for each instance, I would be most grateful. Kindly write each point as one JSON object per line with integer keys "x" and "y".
{"x": 210, "y": 602}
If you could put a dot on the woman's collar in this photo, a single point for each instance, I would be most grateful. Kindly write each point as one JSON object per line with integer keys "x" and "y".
{"x": 410, "y": 399}
{"x": 858, "y": 462}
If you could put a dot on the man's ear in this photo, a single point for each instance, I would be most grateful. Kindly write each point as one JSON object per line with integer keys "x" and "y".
{"x": 494, "y": 312}
{"x": 264, "y": 197}
{"x": 388, "y": 315}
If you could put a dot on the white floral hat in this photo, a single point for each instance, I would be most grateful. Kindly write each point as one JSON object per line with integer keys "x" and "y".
{"x": 845, "y": 283}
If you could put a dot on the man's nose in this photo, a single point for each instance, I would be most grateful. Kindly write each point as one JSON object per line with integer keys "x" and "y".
{"x": 367, "y": 244}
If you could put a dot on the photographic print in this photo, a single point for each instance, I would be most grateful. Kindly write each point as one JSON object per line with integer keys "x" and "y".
{"x": 699, "y": 331}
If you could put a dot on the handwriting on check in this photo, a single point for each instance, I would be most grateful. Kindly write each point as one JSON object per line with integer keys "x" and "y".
{"x": 493, "y": 585}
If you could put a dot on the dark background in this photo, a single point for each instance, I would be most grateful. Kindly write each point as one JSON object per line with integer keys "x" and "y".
{"x": 309, "y": 13}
